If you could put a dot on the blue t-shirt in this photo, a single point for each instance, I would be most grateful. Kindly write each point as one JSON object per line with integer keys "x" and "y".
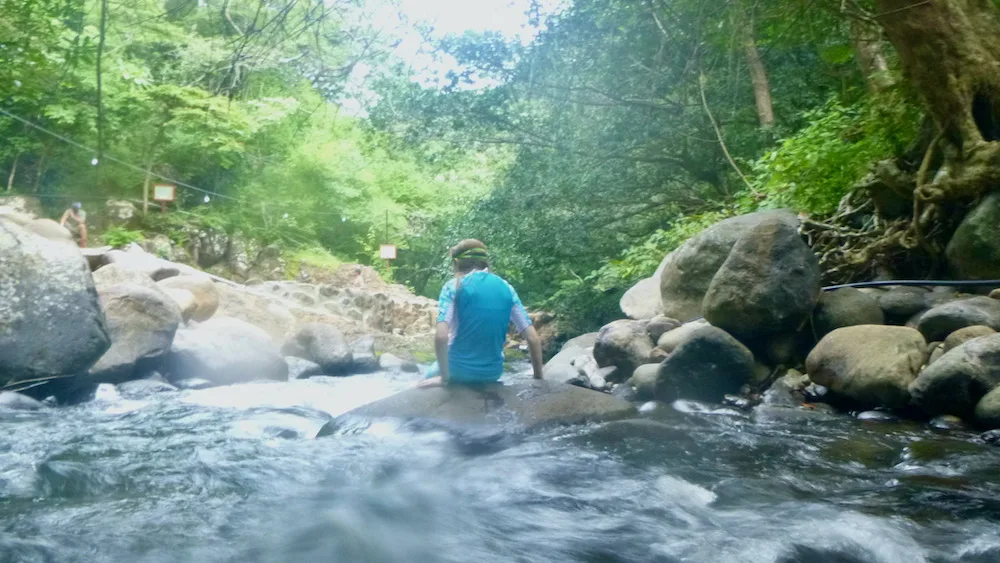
{"x": 478, "y": 315}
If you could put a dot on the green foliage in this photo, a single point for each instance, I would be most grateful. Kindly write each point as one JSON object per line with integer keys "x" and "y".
{"x": 814, "y": 168}
{"x": 314, "y": 256}
{"x": 119, "y": 237}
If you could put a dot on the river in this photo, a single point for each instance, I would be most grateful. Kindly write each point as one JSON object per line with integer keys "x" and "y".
{"x": 238, "y": 474}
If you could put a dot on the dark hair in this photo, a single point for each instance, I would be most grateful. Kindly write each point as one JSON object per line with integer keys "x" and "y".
{"x": 468, "y": 255}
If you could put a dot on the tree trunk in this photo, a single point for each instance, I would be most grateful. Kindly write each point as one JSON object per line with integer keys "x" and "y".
{"x": 950, "y": 52}
{"x": 13, "y": 171}
{"x": 867, "y": 41}
{"x": 758, "y": 74}
{"x": 43, "y": 163}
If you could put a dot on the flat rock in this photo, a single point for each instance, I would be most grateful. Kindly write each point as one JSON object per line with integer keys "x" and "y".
{"x": 527, "y": 404}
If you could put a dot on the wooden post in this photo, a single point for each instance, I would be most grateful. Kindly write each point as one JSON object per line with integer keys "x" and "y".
{"x": 145, "y": 189}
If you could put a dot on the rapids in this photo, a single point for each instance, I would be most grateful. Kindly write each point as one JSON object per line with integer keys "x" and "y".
{"x": 262, "y": 472}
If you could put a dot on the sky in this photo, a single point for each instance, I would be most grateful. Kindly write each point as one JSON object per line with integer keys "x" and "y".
{"x": 401, "y": 18}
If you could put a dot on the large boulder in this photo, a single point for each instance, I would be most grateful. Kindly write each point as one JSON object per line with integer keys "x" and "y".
{"x": 643, "y": 300}
{"x": 943, "y": 320}
{"x": 120, "y": 212}
{"x": 323, "y": 344}
{"x": 225, "y": 351}
{"x": 769, "y": 283}
{"x": 141, "y": 322}
{"x": 206, "y": 296}
{"x": 136, "y": 259}
{"x": 959, "y": 379}
{"x": 51, "y": 323}
{"x": 845, "y": 307}
{"x": 707, "y": 366}
{"x": 624, "y": 344}
{"x": 528, "y": 404}
{"x": 869, "y": 365}
{"x": 686, "y": 278}
{"x": 974, "y": 250}
{"x": 988, "y": 409}
{"x": 185, "y": 300}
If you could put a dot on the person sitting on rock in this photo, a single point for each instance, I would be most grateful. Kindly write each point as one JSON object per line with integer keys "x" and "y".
{"x": 474, "y": 312}
{"x": 77, "y": 219}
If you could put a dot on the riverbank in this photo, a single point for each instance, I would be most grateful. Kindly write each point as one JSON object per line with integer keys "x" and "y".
{"x": 737, "y": 314}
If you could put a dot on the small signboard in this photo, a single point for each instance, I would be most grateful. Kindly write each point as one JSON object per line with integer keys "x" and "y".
{"x": 164, "y": 192}
{"x": 387, "y": 252}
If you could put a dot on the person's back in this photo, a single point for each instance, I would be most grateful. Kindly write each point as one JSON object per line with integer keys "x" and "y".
{"x": 474, "y": 312}
{"x": 484, "y": 308}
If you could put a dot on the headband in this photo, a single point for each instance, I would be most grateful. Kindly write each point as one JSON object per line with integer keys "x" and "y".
{"x": 472, "y": 253}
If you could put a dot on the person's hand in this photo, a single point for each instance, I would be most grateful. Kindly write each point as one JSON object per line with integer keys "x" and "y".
{"x": 431, "y": 382}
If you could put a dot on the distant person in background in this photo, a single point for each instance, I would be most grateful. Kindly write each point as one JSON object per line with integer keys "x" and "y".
{"x": 474, "y": 312}
{"x": 359, "y": 280}
{"x": 75, "y": 219}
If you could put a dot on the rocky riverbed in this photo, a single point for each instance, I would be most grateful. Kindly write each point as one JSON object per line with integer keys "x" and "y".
{"x": 738, "y": 310}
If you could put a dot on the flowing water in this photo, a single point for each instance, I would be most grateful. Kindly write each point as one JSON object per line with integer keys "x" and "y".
{"x": 238, "y": 474}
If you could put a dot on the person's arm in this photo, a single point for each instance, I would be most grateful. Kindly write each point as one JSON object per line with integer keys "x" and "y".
{"x": 441, "y": 337}
{"x": 64, "y": 218}
{"x": 534, "y": 350}
{"x": 522, "y": 323}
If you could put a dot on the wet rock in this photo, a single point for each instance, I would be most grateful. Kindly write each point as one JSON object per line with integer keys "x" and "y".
{"x": 323, "y": 344}
{"x": 869, "y": 365}
{"x": 206, "y": 295}
{"x": 845, "y": 307}
{"x": 528, "y": 404}
{"x": 144, "y": 388}
{"x": 988, "y": 409}
{"x": 141, "y": 322}
{"x": 659, "y": 325}
{"x": 899, "y": 304}
{"x": 974, "y": 250}
{"x": 670, "y": 340}
{"x": 10, "y": 401}
{"x": 624, "y": 344}
{"x": 51, "y": 323}
{"x": 769, "y": 284}
{"x": 963, "y": 335}
{"x": 877, "y": 416}
{"x": 991, "y": 437}
{"x": 390, "y": 362}
{"x": 945, "y": 319}
{"x": 644, "y": 380}
{"x": 225, "y": 351}
{"x": 686, "y": 279}
{"x": 363, "y": 355}
{"x": 787, "y": 391}
{"x": 299, "y": 368}
{"x": 707, "y": 366}
{"x": 957, "y": 381}
{"x": 947, "y": 422}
